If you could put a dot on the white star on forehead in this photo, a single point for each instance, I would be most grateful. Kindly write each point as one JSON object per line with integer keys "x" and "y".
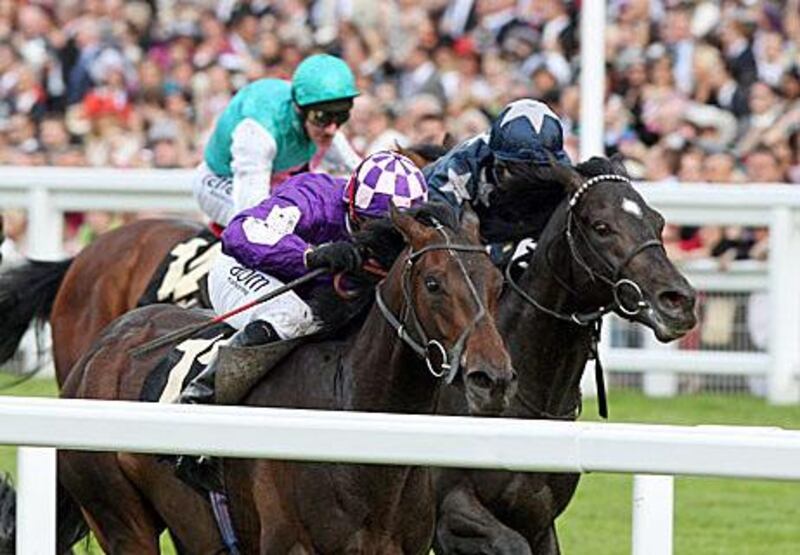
{"x": 534, "y": 111}
{"x": 632, "y": 207}
{"x": 457, "y": 185}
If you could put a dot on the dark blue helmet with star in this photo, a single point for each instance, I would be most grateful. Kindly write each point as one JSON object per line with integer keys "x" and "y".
{"x": 525, "y": 131}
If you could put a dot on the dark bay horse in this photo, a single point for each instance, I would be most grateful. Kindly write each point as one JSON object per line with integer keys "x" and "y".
{"x": 444, "y": 288}
{"x": 600, "y": 251}
{"x": 81, "y": 295}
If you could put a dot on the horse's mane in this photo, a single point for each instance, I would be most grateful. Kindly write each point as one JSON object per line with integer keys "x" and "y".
{"x": 521, "y": 206}
{"x": 528, "y": 197}
{"x": 382, "y": 244}
{"x": 598, "y": 165}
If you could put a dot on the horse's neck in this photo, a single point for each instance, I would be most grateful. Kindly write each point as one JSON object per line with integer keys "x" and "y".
{"x": 549, "y": 354}
{"x": 381, "y": 373}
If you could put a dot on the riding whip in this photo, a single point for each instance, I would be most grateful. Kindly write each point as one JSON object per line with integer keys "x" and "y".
{"x": 192, "y": 329}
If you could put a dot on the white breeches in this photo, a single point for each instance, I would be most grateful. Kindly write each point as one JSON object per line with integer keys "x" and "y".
{"x": 231, "y": 285}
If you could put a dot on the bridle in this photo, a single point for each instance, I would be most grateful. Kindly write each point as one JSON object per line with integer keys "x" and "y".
{"x": 613, "y": 279}
{"x": 433, "y": 349}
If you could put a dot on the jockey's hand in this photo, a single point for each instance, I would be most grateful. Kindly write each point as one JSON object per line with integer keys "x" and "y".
{"x": 341, "y": 256}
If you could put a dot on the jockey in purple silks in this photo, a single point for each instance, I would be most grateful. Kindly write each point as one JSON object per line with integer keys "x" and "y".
{"x": 304, "y": 225}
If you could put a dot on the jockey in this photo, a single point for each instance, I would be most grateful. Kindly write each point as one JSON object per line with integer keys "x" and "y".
{"x": 305, "y": 224}
{"x": 272, "y": 129}
{"x": 525, "y": 132}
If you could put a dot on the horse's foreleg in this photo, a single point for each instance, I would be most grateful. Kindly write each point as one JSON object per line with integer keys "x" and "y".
{"x": 466, "y": 527}
{"x": 193, "y": 526}
{"x": 116, "y": 512}
{"x": 547, "y": 543}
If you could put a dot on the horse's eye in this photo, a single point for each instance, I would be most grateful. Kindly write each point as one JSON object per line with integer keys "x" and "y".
{"x": 432, "y": 285}
{"x": 602, "y": 229}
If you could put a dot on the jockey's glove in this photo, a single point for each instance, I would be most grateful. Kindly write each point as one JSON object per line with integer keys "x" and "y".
{"x": 341, "y": 256}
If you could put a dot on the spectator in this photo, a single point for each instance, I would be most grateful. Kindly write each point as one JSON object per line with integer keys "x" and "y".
{"x": 763, "y": 166}
{"x": 141, "y": 83}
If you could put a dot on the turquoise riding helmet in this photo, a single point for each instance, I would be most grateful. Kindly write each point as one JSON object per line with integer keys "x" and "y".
{"x": 323, "y": 78}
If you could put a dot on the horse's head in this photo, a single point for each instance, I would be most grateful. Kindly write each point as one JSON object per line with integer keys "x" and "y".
{"x": 449, "y": 289}
{"x": 614, "y": 241}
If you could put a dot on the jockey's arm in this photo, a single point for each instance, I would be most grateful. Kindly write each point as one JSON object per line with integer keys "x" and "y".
{"x": 252, "y": 151}
{"x": 274, "y": 235}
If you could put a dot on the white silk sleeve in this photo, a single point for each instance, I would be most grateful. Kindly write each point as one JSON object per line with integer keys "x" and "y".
{"x": 340, "y": 158}
{"x": 253, "y": 150}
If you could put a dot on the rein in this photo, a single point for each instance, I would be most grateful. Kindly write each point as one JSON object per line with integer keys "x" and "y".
{"x": 431, "y": 349}
{"x": 615, "y": 282}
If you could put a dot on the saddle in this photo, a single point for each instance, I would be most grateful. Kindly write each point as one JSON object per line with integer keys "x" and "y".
{"x": 242, "y": 367}
{"x": 181, "y": 277}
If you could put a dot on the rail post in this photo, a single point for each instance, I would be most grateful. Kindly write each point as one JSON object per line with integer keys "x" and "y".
{"x": 652, "y": 515}
{"x": 784, "y": 267}
{"x": 36, "y": 500}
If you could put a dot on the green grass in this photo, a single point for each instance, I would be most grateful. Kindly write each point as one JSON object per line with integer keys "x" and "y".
{"x": 712, "y": 516}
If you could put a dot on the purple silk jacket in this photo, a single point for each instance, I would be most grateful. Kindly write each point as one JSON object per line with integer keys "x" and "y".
{"x": 303, "y": 211}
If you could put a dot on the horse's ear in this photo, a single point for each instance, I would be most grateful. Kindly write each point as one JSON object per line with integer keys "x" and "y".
{"x": 617, "y": 161}
{"x": 416, "y": 158}
{"x": 470, "y": 223}
{"x": 412, "y": 231}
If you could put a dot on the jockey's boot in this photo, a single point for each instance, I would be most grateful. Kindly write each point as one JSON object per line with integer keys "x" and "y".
{"x": 204, "y": 473}
{"x": 200, "y": 390}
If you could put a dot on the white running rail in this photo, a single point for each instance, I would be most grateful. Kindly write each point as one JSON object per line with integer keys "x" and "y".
{"x": 48, "y": 192}
{"x": 509, "y": 444}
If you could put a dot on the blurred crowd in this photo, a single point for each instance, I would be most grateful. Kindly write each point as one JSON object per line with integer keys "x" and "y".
{"x": 698, "y": 90}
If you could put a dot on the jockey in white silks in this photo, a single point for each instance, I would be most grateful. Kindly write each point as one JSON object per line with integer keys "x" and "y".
{"x": 272, "y": 129}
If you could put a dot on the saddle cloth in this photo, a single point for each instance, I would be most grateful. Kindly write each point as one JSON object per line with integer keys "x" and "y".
{"x": 180, "y": 278}
{"x": 241, "y": 367}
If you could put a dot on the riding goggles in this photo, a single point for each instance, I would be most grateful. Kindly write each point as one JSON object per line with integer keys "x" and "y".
{"x": 323, "y": 118}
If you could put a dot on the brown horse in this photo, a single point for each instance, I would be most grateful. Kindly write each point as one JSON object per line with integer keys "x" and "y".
{"x": 80, "y": 296}
{"x": 600, "y": 251}
{"x": 444, "y": 288}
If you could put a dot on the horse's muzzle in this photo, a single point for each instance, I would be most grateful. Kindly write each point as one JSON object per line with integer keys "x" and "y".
{"x": 488, "y": 390}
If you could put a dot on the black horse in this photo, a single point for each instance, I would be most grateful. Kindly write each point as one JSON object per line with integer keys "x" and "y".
{"x": 600, "y": 252}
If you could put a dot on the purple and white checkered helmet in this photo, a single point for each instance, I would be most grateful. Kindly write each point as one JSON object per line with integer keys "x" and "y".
{"x": 383, "y": 179}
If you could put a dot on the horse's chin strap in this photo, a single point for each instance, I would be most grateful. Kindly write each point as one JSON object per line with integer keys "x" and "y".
{"x": 432, "y": 349}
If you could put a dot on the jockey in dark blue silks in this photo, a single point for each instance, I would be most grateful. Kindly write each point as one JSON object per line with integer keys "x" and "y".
{"x": 526, "y": 131}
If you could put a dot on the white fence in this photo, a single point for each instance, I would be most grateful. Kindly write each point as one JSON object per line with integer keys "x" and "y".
{"x": 48, "y": 192}
{"x": 289, "y": 434}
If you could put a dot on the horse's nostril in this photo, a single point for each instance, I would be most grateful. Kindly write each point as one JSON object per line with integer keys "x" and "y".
{"x": 674, "y": 301}
{"x": 481, "y": 378}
